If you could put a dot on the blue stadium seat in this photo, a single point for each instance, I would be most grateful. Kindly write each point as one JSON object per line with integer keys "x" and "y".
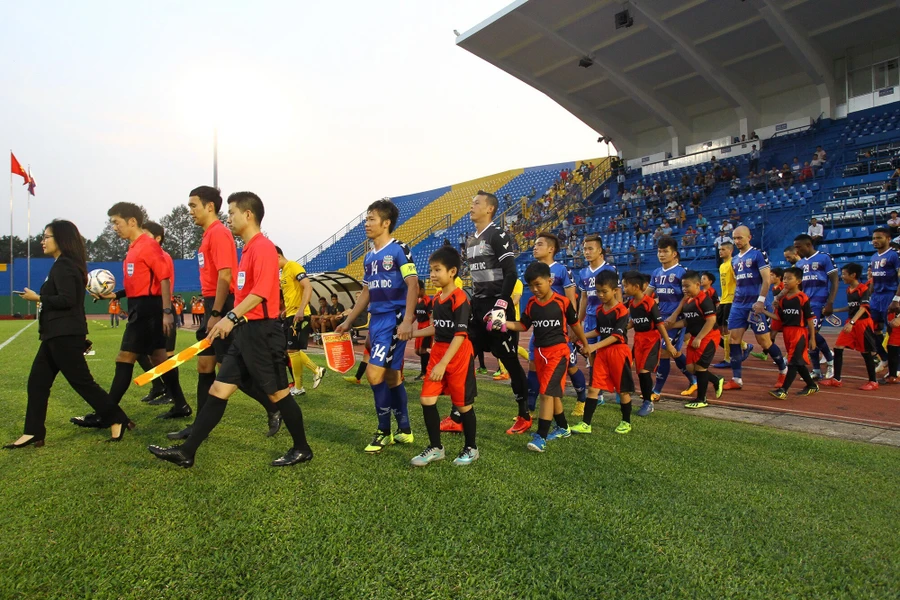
{"x": 824, "y": 248}
{"x": 837, "y": 249}
{"x": 863, "y": 232}
{"x": 831, "y": 235}
{"x": 854, "y": 248}
{"x": 845, "y": 233}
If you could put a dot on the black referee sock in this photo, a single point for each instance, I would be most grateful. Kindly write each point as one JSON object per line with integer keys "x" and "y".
{"x": 870, "y": 365}
{"x": 543, "y": 427}
{"x": 590, "y": 405}
{"x": 204, "y": 382}
{"x": 293, "y": 420}
{"x": 121, "y": 381}
{"x": 173, "y": 387}
{"x": 260, "y": 396}
{"x": 468, "y": 419}
{"x": 432, "y": 424}
{"x": 838, "y": 363}
{"x": 646, "y": 382}
{"x": 205, "y": 422}
{"x": 361, "y": 370}
{"x": 157, "y": 388}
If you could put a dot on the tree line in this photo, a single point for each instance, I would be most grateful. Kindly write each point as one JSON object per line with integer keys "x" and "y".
{"x": 182, "y": 239}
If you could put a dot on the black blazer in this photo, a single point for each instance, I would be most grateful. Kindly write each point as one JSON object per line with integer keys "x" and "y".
{"x": 62, "y": 301}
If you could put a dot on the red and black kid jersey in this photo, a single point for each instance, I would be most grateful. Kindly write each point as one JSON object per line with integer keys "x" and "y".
{"x": 423, "y": 311}
{"x": 613, "y": 322}
{"x": 696, "y": 310}
{"x": 144, "y": 268}
{"x": 258, "y": 275}
{"x": 794, "y": 311}
{"x": 450, "y": 315}
{"x": 644, "y": 315}
{"x": 857, "y": 298}
{"x": 550, "y": 320}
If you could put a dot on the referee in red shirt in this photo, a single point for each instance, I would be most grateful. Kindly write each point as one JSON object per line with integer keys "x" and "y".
{"x": 147, "y": 280}
{"x": 256, "y": 355}
{"x": 217, "y": 260}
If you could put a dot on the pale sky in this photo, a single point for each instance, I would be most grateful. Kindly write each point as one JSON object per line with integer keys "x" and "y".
{"x": 321, "y": 107}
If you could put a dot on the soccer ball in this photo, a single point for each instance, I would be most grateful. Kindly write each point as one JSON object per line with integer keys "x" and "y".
{"x": 100, "y": 281}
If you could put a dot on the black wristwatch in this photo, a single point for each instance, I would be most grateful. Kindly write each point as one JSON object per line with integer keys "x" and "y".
{"x": 167, "y": 311}
{"x": 215, "y": 313}
{"x": 233, "y": 318}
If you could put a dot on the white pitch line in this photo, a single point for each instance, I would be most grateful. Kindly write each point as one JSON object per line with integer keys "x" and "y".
{"x": 16, "y": 334}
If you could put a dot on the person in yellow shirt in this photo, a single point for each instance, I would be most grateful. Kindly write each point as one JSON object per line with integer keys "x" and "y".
{"x": 728, "y": 283}
{"x": 297, "y": 291}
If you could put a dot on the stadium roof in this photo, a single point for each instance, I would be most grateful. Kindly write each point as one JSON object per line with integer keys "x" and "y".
{"x": 680, "y": 59}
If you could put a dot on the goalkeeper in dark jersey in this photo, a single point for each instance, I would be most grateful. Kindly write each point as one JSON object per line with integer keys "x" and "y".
{"x": 492, "y": 265}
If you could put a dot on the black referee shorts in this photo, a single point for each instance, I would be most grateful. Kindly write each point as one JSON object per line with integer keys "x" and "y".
{"x": 297, "y": 337}
{"x": 722, "y": 312}
{"x": 144, "y": 329}
{"x": 219, "y": 346}
{"x": 173, "y": 335}
{"x": 256, "y": 356}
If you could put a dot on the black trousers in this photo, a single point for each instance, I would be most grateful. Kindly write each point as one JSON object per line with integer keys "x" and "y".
{"x": 66, "y": 354}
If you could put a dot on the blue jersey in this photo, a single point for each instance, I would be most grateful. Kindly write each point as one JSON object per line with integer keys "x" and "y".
{"x": 386, "y": 271}
{"x": 816, "y": 271}
{"x": 884, "y": 268}
{"x": 666, "y": 284}
{"x": 559, "y": 279}
{"x": 586, "y": 281}
{"x": 748, "y": 267}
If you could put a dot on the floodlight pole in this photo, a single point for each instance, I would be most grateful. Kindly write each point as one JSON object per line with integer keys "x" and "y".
{"x": 216, "y": 158}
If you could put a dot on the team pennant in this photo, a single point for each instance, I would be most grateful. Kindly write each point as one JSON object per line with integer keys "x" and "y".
{"x": 177, "y": 360}
{"x": 339, "y": 355}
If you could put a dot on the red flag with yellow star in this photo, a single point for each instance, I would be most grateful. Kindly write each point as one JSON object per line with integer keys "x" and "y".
{"x": 17, "y": 168}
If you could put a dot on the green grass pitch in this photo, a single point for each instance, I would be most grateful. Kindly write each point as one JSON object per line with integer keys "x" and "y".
{"x": 683, "y": 507}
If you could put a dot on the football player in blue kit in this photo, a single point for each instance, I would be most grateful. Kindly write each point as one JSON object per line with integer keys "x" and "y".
{"x": 545, "y": 248}
{"x": 665, "y": 284}
{"x": 586, "y": 282}
{"x": 390, "y": 291}
{"x": 751, "y": 273}
{"x": 884, "y": 271}
{"x": 820, "y": 284}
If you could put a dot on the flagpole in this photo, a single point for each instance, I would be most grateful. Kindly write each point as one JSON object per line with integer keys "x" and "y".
{"x": 215, "y": 158}
{"x": 28, "y": 242}
{"x": 10, "y": 240}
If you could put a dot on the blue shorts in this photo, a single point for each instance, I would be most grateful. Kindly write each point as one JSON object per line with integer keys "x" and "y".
{"x": 676, "y": 336}
{"x": 386, "y": 348}
{"x": 740, "y": 319}
{"x": 590, "y": 324}
{"x": 531, "y": 348}
{"x": 817, "y": 314}
{"x": 878, "y": 306}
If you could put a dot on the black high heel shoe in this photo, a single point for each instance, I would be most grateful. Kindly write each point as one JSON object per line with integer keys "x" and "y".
{"x": 32, "y": 442}
{"x": 123, "y": 427}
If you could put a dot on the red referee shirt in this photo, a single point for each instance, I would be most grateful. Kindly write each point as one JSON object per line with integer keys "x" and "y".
{"x": 258, "y": 275}
{"x": 144, "y": 268}
{"x": 171, "y": 264}
{"x": 217, "y": 252}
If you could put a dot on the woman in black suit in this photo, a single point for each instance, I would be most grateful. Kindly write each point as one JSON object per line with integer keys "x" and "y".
{"x": 63, "y": 329}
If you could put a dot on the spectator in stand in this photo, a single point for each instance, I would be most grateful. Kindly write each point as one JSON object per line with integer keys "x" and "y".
{"x": 722, "y": 238}
{"x": 894, "y": 223}
{"x": 579, "y": 219}
{"x": 821, "y": 154}
{"x": 672, "y": 210}
{"x": 644, "y": 228}
{"x": 725, "y": 174}
{"x": 699, "y": 179}
{"x": 702, "y": 223}
{"x": 787, "y": 177}
{"x": 620, "y": 180}
{"x": 754, "y": 158}
{"x": 666, "y": 228}
{"x": 461, "y": 239}
{"x": 613, "y": 225}
{"x": 690, "y": 237}
{"x": 564, "y": 175}
{"x": 658, "y": 233}
{"x": 447, "y": 242}
{"x": 726, "y": 227}
{"x": 685, "y": 180}
{"x": 753, "y": 135}
{"x": 734, "y": 217}
{"x": 609, "y": 259}
{"x": 815, "y": 231}
{"x": 696, "y": 200}
{"x": 634, "y": 258}
{"x": 709, "y": 182}
{"x": 606, "y": 194}
{"x": 735, "y": 187}
{"x": 681, "y": 217}
{"x": 815, "y": 163}
{"x": 714, "y": 165}
{"x": 796, "y": 167}
{"x": 753, "y": 181}
{"x": 806, "y": 173}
